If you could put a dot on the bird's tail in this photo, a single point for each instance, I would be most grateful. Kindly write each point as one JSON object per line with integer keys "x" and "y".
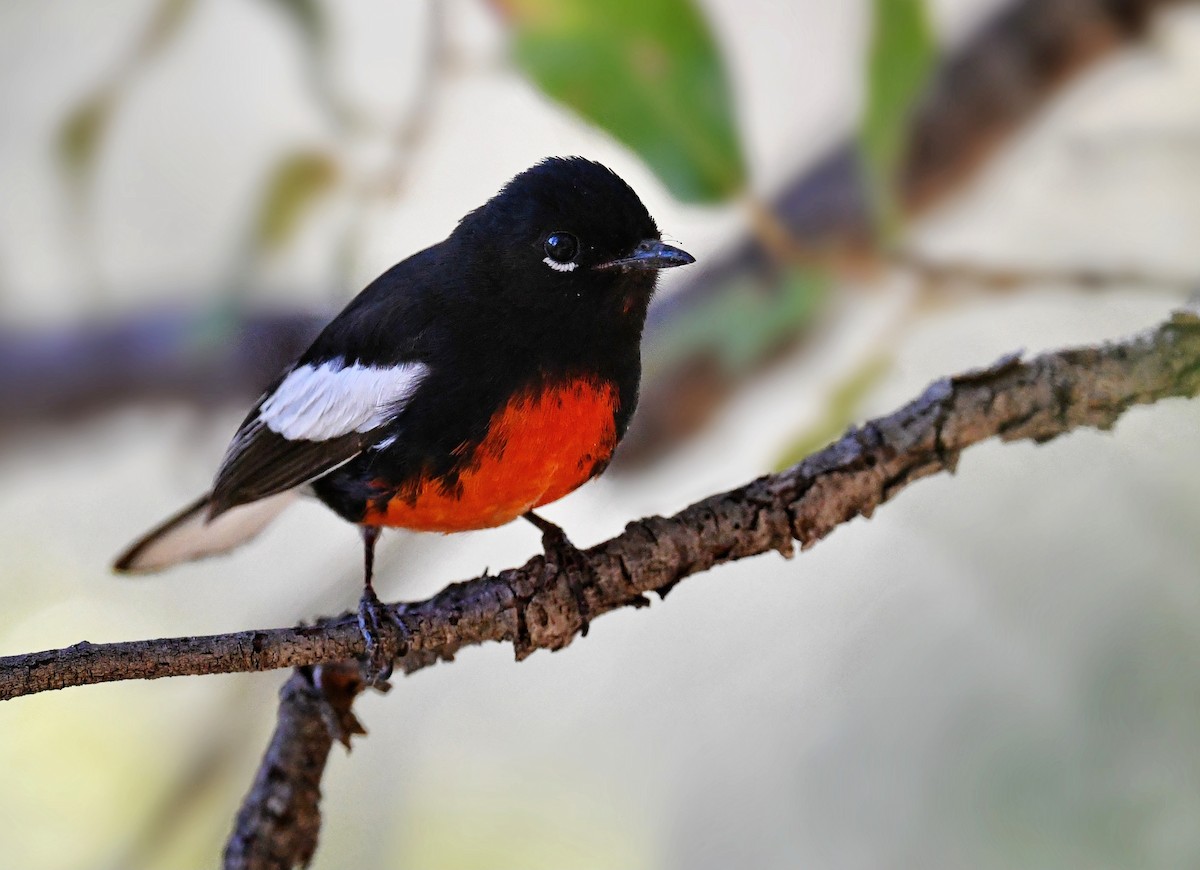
{"x": 190, "y": 534}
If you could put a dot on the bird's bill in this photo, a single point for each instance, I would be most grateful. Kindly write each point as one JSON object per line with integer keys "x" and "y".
{"x": 651, "y": 254}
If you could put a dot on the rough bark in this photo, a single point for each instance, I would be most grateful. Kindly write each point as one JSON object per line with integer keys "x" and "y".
{"x": 278, "y": 823}
{"x": 534, "y": 608}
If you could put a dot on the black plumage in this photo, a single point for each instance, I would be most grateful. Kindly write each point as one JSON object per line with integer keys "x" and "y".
{"x": 488, "y": 318}
{"x": 544, "y": 288}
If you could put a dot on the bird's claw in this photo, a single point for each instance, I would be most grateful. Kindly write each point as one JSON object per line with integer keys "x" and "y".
{"x": 373, "y": 615}
{"x": 569, "y": 561}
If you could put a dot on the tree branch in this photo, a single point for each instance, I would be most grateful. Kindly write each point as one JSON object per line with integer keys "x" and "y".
{"x": 534, "y": 608}
{"x": 280, "y": 818}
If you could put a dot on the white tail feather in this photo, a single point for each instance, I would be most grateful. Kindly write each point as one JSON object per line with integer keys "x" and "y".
{"x": 190, "y": 535}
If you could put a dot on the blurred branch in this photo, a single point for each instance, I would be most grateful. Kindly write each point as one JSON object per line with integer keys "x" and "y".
{"x": 533, "y": 607}
{"x": 979, "y": 96}
{"x": 198, "y": 357}
{"x": 940, "y": 275}
{"x": 1001, "y": 77}
{"x": 278, "y": 823}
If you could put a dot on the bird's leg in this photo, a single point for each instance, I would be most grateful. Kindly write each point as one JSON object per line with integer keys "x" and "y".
{"x": 372, "y": 614}
{"x": 569, "y": 560}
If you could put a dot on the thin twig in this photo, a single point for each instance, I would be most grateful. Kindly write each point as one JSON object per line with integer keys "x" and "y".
{"x": 943, "y": 274}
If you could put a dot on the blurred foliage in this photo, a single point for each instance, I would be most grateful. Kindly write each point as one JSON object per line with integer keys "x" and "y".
{"x": 902, "y": 55}
{"x": 297, "y": 183}
{"x": 163, "y": 27}
{"x": 306, "y": 14}
{"x": 840, "y": 409}
{"x": 901, "y": 58}
{"x": 744, "y": 321}
{"x": 312, "y": 26}
{"x": 82, "y": 132}
{"x": 649, "y": 73}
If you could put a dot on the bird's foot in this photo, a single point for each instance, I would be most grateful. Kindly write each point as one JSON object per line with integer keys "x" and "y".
{"x": 374, "y": 615}
{"x": 570, "y": 562}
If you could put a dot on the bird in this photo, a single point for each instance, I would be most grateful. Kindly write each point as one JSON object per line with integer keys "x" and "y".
{"x": 468, "y": 385}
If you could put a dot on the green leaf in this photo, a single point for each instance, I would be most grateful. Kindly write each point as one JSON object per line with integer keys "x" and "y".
{"x": 647, "y": 72}
{"x": 296, "y": 184}
{"x": 840, "y": 410}
{"x": 81, "y": 133}
{"x": 307, "y": 16}
{"x": 903, "y": 50}
{"x": 85, "y": 126}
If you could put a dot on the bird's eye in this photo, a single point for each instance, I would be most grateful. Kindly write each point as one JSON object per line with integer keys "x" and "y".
{"x": 561, "y": 250}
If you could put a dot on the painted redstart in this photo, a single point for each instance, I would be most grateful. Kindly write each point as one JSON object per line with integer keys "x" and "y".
{"x": 481, "y": 378}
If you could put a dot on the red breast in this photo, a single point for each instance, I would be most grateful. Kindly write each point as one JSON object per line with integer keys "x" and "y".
{"x": 540, "y": 446}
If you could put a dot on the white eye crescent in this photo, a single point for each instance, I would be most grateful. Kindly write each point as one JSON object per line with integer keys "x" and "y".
{"x": 561, "y": 250}
{"x": 560, "y": 267}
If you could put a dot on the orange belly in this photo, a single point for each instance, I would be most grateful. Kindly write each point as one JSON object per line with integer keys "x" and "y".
{"x": 539, "y": 447}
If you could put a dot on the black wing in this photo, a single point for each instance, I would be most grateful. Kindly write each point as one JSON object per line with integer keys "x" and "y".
{"x": 319, "y": 416}
{"x": 356, "y": 378}
{"x": 262, "y": 463}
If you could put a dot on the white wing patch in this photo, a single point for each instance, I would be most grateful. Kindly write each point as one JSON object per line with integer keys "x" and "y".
{"x": 316, "y": 403}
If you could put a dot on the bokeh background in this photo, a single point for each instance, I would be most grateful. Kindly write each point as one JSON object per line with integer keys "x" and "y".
{"x": 997, "y": 670}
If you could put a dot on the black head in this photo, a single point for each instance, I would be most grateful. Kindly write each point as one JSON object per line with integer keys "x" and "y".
{"x": 571, "y": 237}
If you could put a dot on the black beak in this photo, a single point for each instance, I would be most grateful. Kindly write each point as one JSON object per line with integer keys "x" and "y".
{"x": 651, "y": 254}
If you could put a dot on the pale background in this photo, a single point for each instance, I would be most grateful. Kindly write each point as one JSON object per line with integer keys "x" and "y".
{"x": 999, "y": 669}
